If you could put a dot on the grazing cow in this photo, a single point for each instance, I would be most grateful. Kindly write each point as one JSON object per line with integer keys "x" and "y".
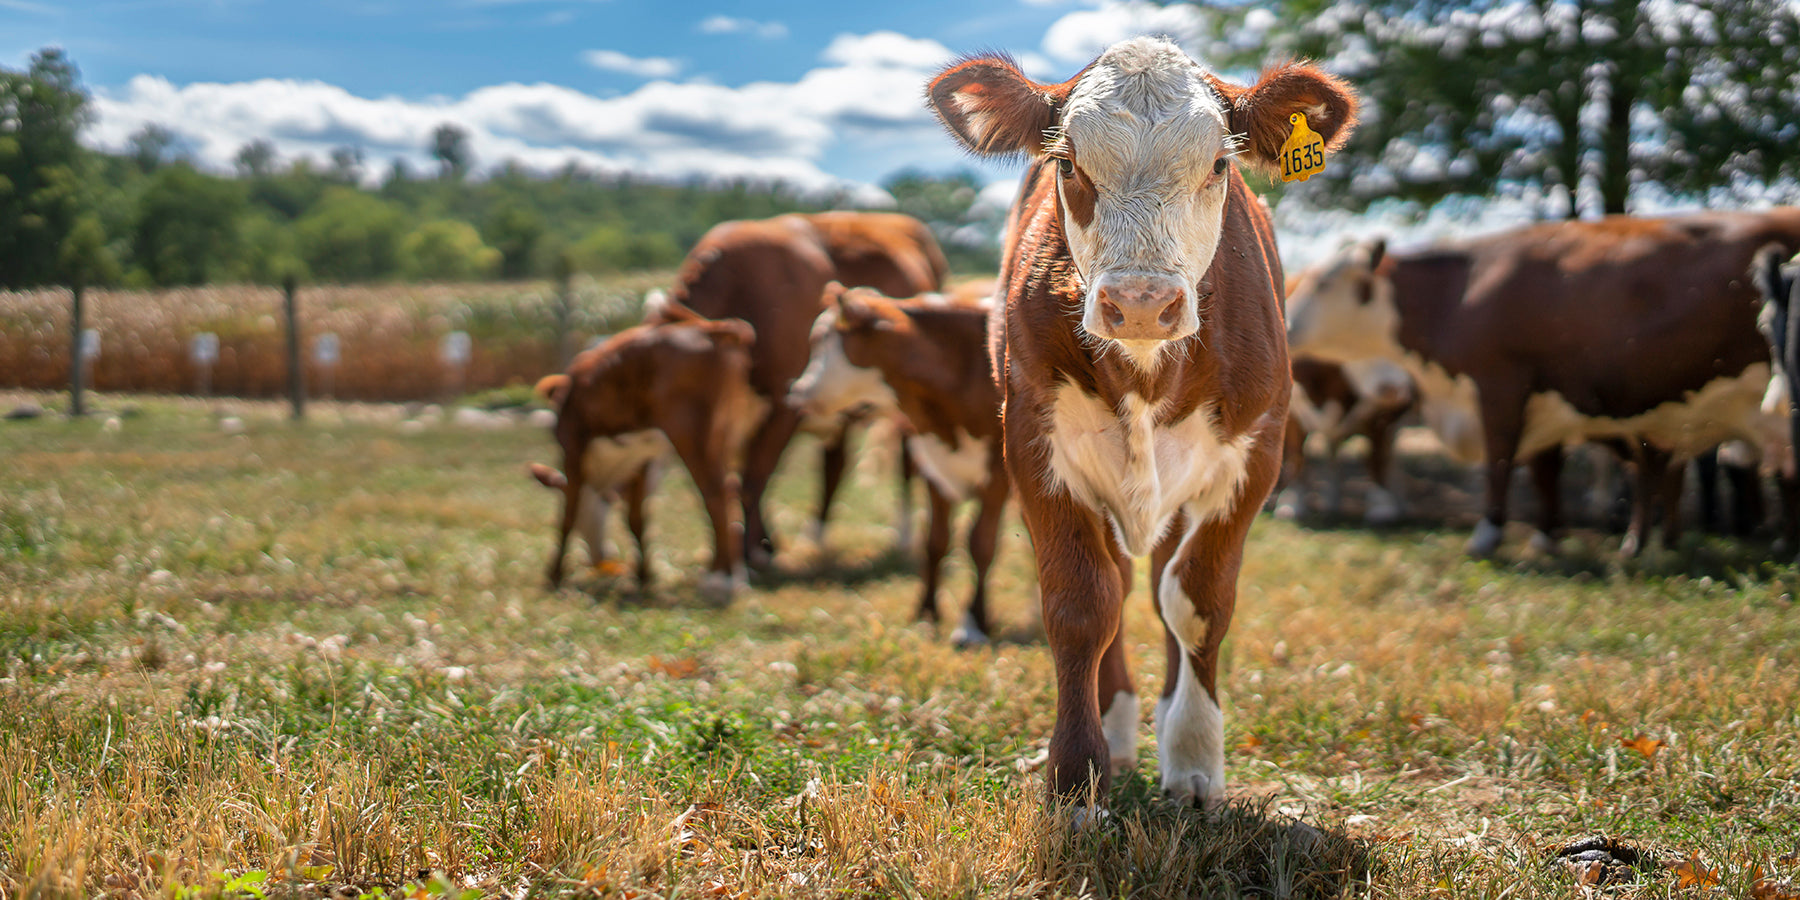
{"x": 1637, "y": 332}
{"x": 1339, "y": 402}
{"x": 926, "y": 358}
{"x": 772, "y": 274}
{"x": 682, "y": 384}
{"x": 1143, "y": 374}
{"x": 1778, "y": 278}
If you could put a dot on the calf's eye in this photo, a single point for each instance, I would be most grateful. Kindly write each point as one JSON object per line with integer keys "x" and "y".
{"x": 1219, "y": 167}
{"x": 1065, "y": 166}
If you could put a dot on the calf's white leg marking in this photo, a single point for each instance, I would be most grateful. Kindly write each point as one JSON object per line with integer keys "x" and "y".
{"x": 1119, "y": 724}
{"x": 1190, "y": 727}
{"x": 969, "y": 633}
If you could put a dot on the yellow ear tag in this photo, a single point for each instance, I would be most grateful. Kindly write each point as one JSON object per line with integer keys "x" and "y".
{"x": 1303, "y": 154}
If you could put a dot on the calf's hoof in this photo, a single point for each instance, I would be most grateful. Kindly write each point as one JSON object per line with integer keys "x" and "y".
{"x": 1289, "y": 504}
{"x": 718, "y": 588}
{"x": 1196, "y": 789}
{"x": 1484, "y": 541}
{"x": 969, "y": 634}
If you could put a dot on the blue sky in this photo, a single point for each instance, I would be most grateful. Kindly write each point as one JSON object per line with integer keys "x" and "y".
{"x": 824, "y": 93}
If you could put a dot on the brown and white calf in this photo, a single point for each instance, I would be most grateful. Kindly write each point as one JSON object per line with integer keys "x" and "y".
{"x": 681, "y": 384}
{"x": 927, "y": 359}
{"x": 1637, "y": 332}
{"x": 1143, "y": 372}
{"x": 772, "y": 274}
{"x": 1339, "y": 402}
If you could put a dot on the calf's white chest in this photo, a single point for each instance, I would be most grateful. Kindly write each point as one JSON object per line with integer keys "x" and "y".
{"x": 1136, "y": 472}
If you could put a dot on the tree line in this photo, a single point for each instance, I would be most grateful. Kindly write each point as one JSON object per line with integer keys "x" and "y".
{"x": 148, "y": 216}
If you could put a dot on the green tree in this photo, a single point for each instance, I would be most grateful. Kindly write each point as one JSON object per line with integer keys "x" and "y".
{"x": 1573, "y": 98}
{"x": 85, "y": 258}
{"x": 255, "y": 159}
{"x": 446, "y": 250}
{"x": 268, "y": 251}
{"x": 186, "y": 226}
{"x": 350, "y": 235}
{"x": 612, "y": 248}
{"x": 514, "y": 228}
{"x": 450, "y": 147}
{"x": 42, "y": 110}
{"x": 151, "y": 146}
{"x": 969, "y": 234}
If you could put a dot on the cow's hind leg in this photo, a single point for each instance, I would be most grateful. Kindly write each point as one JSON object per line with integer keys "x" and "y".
{"x": 984, "y": 539}
{"x": 834, "y": 457}
{"x": 1546, "y": 482}
{"x": 637, "y": 493}
{"x": 573, "y": 484}
{"x": 937, "y": 545}
{"x": 760, "y": 460}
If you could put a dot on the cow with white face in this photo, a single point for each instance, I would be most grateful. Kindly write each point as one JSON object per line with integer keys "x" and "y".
{"x": 1638, "y": 332}
{"x": 1138, "y": 344}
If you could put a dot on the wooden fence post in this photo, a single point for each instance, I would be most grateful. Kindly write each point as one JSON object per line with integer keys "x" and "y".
{"x": 565, "y": 309}
{"x": 77, "y": 365}
{"x": 290, "y": 286}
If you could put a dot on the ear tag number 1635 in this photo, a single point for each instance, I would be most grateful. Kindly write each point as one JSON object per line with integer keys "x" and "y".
{"x": 1303, "y": 154}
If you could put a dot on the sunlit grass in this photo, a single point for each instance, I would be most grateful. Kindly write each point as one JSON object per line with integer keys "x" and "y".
{"x": 325, "y": 653}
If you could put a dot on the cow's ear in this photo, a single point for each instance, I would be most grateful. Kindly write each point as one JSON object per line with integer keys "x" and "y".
{"x": 1260, "y": 112}
{"x": 1377, "y": 251}
{"x": 993, "y": 109}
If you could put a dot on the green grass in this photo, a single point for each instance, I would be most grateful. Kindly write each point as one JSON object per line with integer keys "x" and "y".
{"x": 323, "y": 654}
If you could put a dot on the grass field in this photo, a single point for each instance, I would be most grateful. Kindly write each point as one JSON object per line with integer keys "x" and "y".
{"x": 317, "y": 660}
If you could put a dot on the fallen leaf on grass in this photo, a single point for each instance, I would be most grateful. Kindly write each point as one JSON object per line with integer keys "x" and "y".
{"x": 1691, "y": 872}
{"x": 1643, "y": 744}
{"x": 686, "y": 826}
{"x": 680, "y": 667}
{"x": 1034, "y": 762}
{"x": 1774, "y": 889}
{"x": 611, "y": 568}
{"x": 1251, "y": 742}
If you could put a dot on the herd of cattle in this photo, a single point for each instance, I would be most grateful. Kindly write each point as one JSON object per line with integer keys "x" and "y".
{"x": 1127, "y": 378}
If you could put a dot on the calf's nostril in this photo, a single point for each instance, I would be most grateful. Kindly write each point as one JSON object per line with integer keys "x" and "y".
{"x": 1110, "y": 312}
{"x": 1171, "y": 314}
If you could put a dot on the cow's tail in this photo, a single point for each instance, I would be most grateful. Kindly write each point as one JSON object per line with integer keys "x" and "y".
{"x": 553, "y": 388}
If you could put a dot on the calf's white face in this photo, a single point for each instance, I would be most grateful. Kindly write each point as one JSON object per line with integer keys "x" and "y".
{"x": 1139, "y": 146}
{"x": 1141, "y": 157}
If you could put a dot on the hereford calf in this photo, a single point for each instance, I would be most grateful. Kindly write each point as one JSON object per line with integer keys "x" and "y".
{"x": 1143, "y": 372}
{"x": 681, "y": 384}
{"x": 772, "y": 273}
{"x": 928, "y": 359}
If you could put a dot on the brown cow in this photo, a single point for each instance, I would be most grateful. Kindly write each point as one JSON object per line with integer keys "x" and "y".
{"x": 772, "y": 274}
{"x": 927, "y": 358}
{"x": 1638, "y": 332}
{"x": 1338, "y": 402}
{"x": 686, "y": 379}
{"x": 1143, "y": 372}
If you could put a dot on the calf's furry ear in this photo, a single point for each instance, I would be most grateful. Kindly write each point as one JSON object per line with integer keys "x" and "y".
{"x": 994, "y": 110}
{"x": 1260, "y": 112}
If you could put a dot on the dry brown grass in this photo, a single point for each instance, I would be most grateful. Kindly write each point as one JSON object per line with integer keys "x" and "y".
{"x": 323, "y": 653}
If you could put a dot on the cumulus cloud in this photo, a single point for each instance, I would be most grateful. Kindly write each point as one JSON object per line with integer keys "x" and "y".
{"x": 1079, "y": 36}
{"x": 731, "y": 25}
{"x": 641, "y": 66}
{"x": 862, "y": 103}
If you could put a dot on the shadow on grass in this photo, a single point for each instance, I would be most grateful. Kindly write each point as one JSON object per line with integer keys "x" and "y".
{"x": 840, "y": 569}
{"x": 1152, "y": 848}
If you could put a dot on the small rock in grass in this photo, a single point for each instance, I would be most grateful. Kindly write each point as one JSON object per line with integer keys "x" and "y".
{"x": 26, "y": 411}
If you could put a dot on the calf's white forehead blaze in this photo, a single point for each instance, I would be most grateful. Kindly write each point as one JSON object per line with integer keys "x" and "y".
{"x": 1146, "y": 128}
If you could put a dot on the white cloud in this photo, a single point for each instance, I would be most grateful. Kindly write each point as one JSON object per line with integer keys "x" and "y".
{"x": 886, "y": 48}
{"x": 641, "y": 66}
{"x": 731, "y": 25}
{"x": 1078, "y": 37}
{"x": 861, "y": 105}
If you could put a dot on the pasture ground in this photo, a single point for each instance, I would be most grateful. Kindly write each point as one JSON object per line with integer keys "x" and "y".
{"x": 317, "y": 660}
